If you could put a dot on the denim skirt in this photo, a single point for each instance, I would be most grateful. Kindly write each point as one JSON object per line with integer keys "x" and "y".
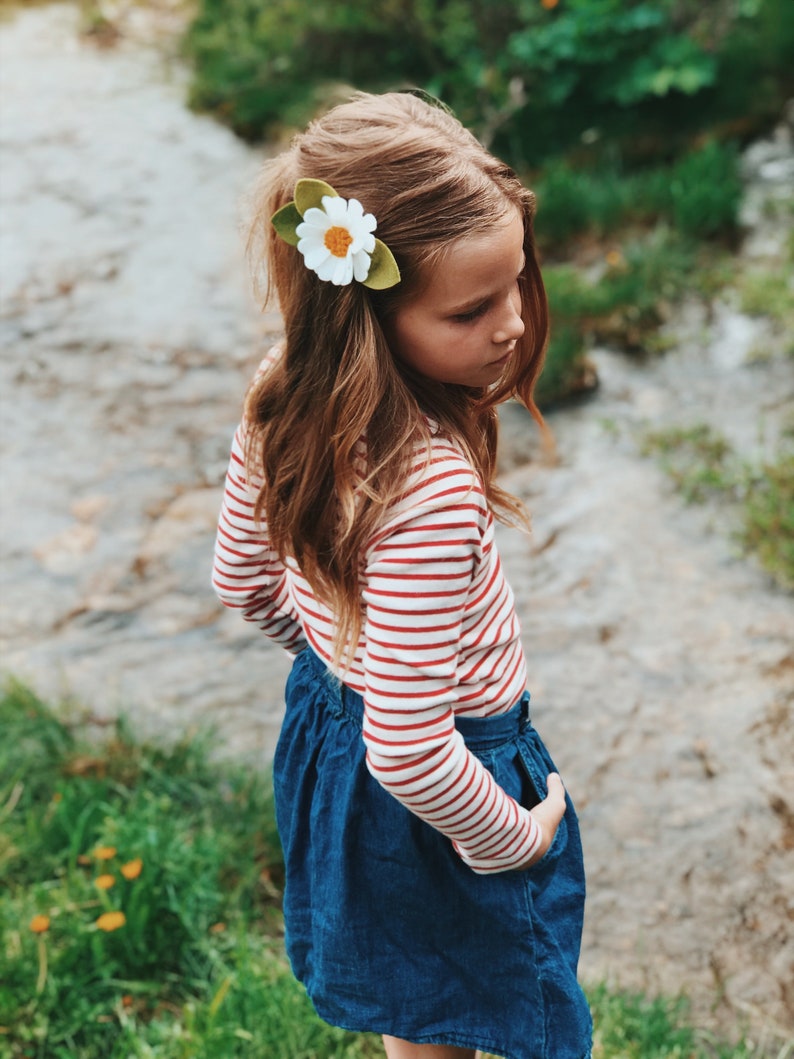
{"x": 386, "y": 927}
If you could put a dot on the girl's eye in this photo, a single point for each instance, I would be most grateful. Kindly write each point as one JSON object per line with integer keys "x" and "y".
{"x": 472, "y": 314}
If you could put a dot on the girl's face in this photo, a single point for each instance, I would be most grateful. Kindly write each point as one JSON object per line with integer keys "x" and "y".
{"x": 463, "y": 324}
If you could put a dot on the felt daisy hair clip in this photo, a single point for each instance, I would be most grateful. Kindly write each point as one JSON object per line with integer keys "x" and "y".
{"x": 335, "y": 237}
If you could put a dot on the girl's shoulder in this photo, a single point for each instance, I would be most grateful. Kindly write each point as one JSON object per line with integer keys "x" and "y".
{"x": 440, "y": 475}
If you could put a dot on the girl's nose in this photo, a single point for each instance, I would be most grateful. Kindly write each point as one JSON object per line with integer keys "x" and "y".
{"x": 510, "y": 326}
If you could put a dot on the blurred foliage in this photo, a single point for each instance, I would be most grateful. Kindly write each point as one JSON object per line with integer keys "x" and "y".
{"x": 704, "y": 466}
{"x": 622, "y": 302}
{"x": 533, "y": 78}
{"x": 699, "y": 194}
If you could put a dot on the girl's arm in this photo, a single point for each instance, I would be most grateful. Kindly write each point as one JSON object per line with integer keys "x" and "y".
{"x": 248, "y": 575}
{"x": 421, "y": 576}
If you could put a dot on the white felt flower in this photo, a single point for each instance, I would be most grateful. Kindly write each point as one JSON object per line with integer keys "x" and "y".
{"x": 336, "y": 240}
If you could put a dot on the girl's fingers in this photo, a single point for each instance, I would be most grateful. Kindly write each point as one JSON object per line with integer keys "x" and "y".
{"x": 548, "y": 814}
{"x": 555, "y": 799}
{"x": 554, "y": 782}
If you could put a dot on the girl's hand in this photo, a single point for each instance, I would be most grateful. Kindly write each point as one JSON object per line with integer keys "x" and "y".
{"x": 548, "y": 815}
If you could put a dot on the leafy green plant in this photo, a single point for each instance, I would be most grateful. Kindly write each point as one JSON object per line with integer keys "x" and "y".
{"x": 698, "y": 196}
{"x": 533, "y": 79}
{"x": 706, "y": 191}
{"x": 122, "y": 860}
{"x": 624, "y": 306}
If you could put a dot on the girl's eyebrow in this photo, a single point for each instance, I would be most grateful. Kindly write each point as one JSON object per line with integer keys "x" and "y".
{"x": 461, "y": 310}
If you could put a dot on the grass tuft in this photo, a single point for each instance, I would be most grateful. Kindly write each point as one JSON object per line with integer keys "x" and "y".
{"x": 703, "y": 467}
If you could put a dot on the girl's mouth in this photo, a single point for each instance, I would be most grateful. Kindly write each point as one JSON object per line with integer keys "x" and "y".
{"x": 503, "y": 360}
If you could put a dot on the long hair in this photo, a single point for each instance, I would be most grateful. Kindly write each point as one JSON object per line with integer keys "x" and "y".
{"x": 428, "y": 182}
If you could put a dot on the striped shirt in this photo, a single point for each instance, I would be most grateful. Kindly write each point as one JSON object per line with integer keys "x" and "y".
{"x": 440, "y": 637}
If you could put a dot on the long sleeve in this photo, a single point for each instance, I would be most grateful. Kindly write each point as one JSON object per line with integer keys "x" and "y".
{"x": 435, "y": 597}
{"x": 248, "y": 574}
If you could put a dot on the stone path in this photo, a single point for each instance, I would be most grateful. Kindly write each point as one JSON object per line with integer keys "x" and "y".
{"x": 662, "y": 666}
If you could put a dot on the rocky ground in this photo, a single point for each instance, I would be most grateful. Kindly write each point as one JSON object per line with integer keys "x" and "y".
{"x": 661, "y": 660}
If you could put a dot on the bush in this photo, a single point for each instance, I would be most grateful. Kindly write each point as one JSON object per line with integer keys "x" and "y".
{"x": 533, "y": 79}
{"x": 699, "y": 196}
{"x": 706, "y": 191}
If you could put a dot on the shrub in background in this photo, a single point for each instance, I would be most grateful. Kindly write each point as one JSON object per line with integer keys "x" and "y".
{"x": 699, "y": 196}
{"x": 533, "y": 78}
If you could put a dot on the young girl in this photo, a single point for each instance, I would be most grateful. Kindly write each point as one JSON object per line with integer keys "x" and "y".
{"x": 434, "y": 885}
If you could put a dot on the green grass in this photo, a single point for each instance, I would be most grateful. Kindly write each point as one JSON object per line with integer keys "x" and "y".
{"x": 703, "y": 466}
{"x": 197, "y": 968}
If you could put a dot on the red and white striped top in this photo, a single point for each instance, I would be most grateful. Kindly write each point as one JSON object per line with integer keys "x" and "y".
{"x": 440, "y": 637}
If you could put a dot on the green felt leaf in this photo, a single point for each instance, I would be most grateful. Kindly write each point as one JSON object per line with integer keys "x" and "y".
{"x": 310, "y": 193}
{"x": 285, "y": 221}
{"x": 383, "y": 271}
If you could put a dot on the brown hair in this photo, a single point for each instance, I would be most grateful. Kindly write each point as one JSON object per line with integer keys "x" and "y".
{"x": 428, "y": 182}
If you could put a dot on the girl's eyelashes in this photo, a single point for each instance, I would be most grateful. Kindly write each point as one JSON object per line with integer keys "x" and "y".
{"x": 472, "y": 314}
{"x": 480, "y": 310}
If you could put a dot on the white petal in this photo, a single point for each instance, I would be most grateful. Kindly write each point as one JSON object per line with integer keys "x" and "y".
{"x": 355, "y": 211}
{"x": 316, "y": 219}
{"x": 361, "y": 264}
{"x": 335, "y": 208}
{"x": 343, "y": 274}
{"x": 362, "y": 241}
{"x": 314, "y": 255}
{"x": 310, "y": 238}
{"x": 326, "y": 269}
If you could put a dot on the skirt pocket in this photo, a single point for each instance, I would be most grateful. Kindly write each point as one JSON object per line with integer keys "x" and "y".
{"x": 521, "y": 768}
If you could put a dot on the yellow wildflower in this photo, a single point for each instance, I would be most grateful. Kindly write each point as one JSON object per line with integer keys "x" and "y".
{"x": 549, "y": 4}
{"x": 132, "y": 869}
{"x": 105, "y": 852}
{"x": 40, "y": 924}
{"x": 104, "y": 882}
{"x": 109, "y": 921}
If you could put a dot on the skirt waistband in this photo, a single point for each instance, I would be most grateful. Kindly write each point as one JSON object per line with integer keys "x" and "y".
{"x": 479, "y": 733}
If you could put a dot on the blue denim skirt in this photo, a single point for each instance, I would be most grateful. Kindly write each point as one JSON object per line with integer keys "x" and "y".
{"x": 387, "y": 928}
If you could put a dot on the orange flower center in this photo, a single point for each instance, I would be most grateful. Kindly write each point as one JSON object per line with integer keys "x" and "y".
{"x": 338, "y": 240}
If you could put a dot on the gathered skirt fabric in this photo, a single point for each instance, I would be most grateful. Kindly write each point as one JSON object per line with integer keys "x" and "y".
{"x": 387, "y": 928}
